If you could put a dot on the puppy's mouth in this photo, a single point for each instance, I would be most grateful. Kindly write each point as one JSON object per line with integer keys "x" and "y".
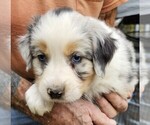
{"x": 60, "y": 100}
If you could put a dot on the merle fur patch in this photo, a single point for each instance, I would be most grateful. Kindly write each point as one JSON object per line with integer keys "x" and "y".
{"x": 34, "y": 23}
{"x": 104, "y": 52}
{"x": 62, "y": 10}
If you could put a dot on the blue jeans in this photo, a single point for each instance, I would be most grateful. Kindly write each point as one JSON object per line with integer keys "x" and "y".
{"x": 5, "y": 116}
{"x": 19, "y": 118}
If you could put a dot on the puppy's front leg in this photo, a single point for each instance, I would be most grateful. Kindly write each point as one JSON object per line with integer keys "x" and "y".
{"x": 35, "y": 102}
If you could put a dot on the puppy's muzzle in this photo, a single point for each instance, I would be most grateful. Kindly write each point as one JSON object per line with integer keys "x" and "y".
{"x": 55, "y": 93}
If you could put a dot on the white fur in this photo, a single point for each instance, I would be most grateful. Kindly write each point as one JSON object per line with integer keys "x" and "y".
{"x": 35, "y": 101}
{"x": 59, "y": 30}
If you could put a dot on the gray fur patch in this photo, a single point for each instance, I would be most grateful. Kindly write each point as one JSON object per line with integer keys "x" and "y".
{"x": 24, "y": 43}
{"x": 104, "y": 52}
{"x": 62, "y": 10}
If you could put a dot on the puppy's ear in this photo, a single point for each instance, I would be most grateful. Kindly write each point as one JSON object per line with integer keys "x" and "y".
{"x": 103, "y": 50}
{"x": 24, "y": 48}
{"x": 103, "y": 42}
{"x": 25, "y": 41}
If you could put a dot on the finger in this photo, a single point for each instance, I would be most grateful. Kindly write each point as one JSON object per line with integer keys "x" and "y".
{"x": 24, "y": 85}
{"x": 106, "y": 107}
{"x": 22, "y": 88}
{"x": 117, "y": 102}
{"x": 86, "y": 119}
{"x": 100, "y": 118}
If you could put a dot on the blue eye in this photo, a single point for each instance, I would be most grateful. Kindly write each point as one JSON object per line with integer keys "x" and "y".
{"x": 42, "y": 58}
{"x": 76, "y": 59}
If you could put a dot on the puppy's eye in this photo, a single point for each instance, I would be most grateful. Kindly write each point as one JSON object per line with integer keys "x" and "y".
{"x": 42, "y": 58}
{"x": 75, "y": 59}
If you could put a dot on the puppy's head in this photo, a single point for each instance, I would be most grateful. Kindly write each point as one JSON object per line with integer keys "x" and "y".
{"x": 66, "y": 51}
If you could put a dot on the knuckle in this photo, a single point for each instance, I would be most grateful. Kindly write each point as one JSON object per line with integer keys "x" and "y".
{"x": 103, "y": 103}
{"x": 122, "y": 106}
{"x": 114, "y": 114}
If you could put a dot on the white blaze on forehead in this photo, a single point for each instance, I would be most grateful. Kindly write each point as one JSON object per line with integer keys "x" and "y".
{"x": 58, "y": 29}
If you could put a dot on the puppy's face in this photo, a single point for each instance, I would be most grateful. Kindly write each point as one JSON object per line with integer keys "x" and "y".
{"x": 63, "y": 67}
{"x": 65, "y": 54}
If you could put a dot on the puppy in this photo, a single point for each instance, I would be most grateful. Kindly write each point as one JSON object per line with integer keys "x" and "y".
{"x": 74, "y": 56}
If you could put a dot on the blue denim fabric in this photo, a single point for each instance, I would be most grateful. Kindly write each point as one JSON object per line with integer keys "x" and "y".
{"x": 5, "y": 116}
{"x": 19, "y": 118}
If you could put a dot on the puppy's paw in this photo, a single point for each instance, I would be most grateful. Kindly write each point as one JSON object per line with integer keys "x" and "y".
{"x": 36, "y": 103}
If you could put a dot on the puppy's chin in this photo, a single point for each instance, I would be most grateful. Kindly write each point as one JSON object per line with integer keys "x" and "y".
{"x": 63, "y": 100}
{"x": 72, "y": 97}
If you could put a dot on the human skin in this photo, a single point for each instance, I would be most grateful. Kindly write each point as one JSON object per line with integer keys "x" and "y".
{"x": 76, "y": 113}
{"x": 80, "y": 112}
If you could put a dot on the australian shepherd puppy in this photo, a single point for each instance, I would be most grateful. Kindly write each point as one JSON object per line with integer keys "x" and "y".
{"x": 74, "y": 56}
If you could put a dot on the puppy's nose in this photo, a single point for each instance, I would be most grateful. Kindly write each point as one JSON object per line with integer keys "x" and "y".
{"x": 55, "y": 94}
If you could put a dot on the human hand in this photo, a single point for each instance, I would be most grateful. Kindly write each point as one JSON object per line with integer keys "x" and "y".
{"x": 80, "y": 112}
{"x": 76, "y": 113}
{"x": 111, "y": 104}
{"x": 22, "y": 88}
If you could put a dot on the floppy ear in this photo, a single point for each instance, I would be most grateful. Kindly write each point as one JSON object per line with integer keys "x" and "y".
{"x": 103, "y": 51}
{"x": 24, "y": 48}
{"x": 103, "y": 43}
{"x": 25, "y": 41}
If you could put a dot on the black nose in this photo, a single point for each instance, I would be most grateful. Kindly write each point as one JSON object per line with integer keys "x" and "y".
{"x": 55, "y": 94}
